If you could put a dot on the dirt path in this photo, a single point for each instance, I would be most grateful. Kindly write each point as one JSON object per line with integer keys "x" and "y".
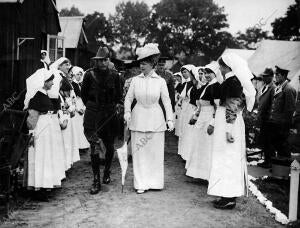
{"x": 183, "y": 203}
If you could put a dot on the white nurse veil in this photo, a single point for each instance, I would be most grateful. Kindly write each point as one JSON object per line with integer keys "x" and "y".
{"x": 241, "y": 70}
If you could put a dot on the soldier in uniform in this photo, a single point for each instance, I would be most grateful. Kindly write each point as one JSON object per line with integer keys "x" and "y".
{"x": 102, "y": 95}
{"x": 282, "y": 109}
{"x": 168, "y": 76}
{"x": 264, "y": 108}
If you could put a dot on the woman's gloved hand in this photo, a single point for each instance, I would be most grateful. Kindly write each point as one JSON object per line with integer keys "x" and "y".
{"x": 170, "y": 125}
{"x": 229, "y": 137}
{"x": 127, "y": 117}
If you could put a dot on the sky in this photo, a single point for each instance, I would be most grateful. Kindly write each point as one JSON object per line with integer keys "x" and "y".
{"x": 241, "y": 14}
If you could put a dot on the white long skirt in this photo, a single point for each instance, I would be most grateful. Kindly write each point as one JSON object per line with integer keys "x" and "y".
{"x": 184, "y": 142}
{"x": 228, "y": 176}
{"x": 81, "y": 140}
{"x": 59, "y": 149}
{"x": 42, "y": 171}
{"x": 70, "y": 144}
{"x": 148, "y": 159}
{"x": 184, "y": 105}
{"x": 198, "y": 162}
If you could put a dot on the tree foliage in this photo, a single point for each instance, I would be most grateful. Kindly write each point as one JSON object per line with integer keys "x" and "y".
{"x": 73, "y": 11}
{"x": 130, "y": 24}
{"x": 190, "y": 25}
{"x": 252, "y": 37}
{"x": 288, "y": 27}
{"x": 98, "y": 31}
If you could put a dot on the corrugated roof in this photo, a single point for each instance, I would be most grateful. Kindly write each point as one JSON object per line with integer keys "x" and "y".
{"x": 244, "y": 53}
{"x": 71, "y": 29}
{"x": 271, "y": 53}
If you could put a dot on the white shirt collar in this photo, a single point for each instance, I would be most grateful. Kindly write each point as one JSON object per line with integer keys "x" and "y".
{"x": 152, "y": 74}
{"x": 229, "y": 75}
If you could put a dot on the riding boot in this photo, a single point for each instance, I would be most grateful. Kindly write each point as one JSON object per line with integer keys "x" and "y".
{"x": 96, "y": 187}
{"x": 108, "y": 160}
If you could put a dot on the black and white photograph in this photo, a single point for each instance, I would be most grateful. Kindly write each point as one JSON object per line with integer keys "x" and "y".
{"x": 149, "y": 113}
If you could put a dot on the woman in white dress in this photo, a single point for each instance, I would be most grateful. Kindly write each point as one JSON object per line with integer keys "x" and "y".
{"x": 228, "y": 175}
{"x": 187, "y": 138}
{"x": 77, "y": 75}
{"x": 69, "y": 133}
{"x": 199, "y": 162}
{"x": 191, "y": 90}
{"x": 41, "y": 162}
{"x": 60, "y": 69}
{"x": 183, "y": 99}
{"x": 146, "y": 121}
{"x": 179, "y": 80}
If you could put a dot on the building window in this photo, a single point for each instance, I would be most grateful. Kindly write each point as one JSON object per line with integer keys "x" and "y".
{"x": 55, "y": 47}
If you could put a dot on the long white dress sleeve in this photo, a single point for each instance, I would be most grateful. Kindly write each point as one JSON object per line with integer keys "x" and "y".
{"x": 164, "y": 94}
{"x": 129, "y": 97}
{"x": 147, "y": 115}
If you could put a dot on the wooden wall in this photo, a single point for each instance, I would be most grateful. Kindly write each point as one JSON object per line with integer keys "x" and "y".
{"x": 32, "y": 18}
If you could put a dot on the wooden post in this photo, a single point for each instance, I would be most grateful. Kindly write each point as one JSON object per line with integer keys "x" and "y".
{"x": 294, "y": 189}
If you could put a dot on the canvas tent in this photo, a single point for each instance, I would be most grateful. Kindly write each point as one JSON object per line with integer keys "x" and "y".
{"x": 75, "y": 40}
{"x": 271, "y": 53}
{"x": 244, "y": 53}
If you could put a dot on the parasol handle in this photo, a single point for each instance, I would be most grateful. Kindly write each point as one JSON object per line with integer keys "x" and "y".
{"x": 126, "y": 131}
{"x": 122, "y": 188}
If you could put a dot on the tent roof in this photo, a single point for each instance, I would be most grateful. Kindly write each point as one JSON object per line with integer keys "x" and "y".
{"x": 244, "y": 53}
{"x": 271, "y": 53}
{"x": 71, "y": 29}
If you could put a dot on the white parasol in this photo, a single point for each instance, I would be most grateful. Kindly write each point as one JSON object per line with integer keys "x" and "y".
{"x": 123, "y": 156}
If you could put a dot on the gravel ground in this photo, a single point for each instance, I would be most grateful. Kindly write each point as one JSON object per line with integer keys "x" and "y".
{"x": 183, "y": 202}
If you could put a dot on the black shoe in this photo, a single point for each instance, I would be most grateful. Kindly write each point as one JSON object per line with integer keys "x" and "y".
{"x": 96, "y": 187}
{"x": 265, "y": 165}
{"x": 225, "y": 204}
{"x": 216, "y": 201}
{"x": 106, "y": 178}
{"x": 41, "y": 196}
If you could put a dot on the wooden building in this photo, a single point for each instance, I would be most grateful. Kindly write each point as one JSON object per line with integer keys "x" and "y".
{"x": 27, "y": 26}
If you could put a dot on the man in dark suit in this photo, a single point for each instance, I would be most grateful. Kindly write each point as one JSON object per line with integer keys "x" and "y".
{"x": 264, "y": 108}
{"x": 281, "y": 114}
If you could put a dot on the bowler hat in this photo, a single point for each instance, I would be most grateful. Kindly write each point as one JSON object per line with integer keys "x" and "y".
{"x": 102, "y": 53}
{"x": 281, "y": 71}
{"x": 268, "y": 72}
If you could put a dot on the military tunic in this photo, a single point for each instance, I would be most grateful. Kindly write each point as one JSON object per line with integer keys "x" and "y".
{"x": 101, "y": 91}
{"x": 282, "y": 109}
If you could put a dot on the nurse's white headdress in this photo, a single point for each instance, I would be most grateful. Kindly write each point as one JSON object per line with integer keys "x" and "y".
{"x": 241, "y": 70}
{"x": 35, "y": 82}
{"x": 214, "y": 66}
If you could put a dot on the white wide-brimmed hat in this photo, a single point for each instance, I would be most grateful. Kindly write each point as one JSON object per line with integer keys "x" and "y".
{"x": 147, "y": 51}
